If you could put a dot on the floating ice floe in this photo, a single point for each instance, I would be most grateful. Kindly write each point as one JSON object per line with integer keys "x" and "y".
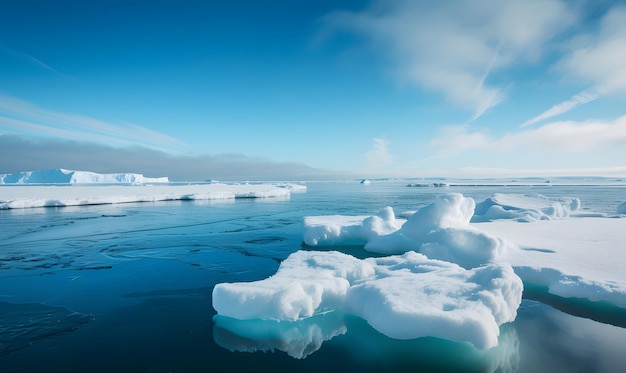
{"x": 621, "y": 209}
{"x": 524, "y": 207}
{"x": 403, "y": 297}
{"x": 15, "y": 197}
{"x": 440, "y": 230}
{"x": 347, "y": 230}
{"x": 573, "y": 258}
{"x": 466, "y": 280}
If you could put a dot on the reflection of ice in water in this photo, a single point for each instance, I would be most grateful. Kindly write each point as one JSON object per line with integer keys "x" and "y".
{"x": 298, "y": 339}
{"x": 430, "y": 354}
{"x": 505, "y": 357}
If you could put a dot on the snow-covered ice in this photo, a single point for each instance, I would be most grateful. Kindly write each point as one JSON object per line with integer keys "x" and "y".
{"x": 440, "y": 230}
{"x": 524, "y": 208}
{"x": 576, "y": 257}
{"x": 307, "y": 283}
{"x": 404, "y": 297}
{"x": 346, "y": 230}
{"x": 62, "y": 176}
{"x": 456, "y": 272}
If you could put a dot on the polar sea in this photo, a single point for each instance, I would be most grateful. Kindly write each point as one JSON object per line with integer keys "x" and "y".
{"x": 128, "y": 287}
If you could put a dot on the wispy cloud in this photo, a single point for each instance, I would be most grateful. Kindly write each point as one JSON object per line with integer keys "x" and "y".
{"x": 557, "y": 137}
{"x": 20, "y": 117}
{"x": 453, "y": 140}
{"x": 379, "y": 154}
{"x": 455, "y": 47}
{"x": 28, "y": 59}
{"x": 565, "y": 106}
{"x": 599, "y": 57}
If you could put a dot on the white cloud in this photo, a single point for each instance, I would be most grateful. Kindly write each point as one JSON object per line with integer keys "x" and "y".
{"x": 599, "y": 58}
{"x": 556, "y": 138}
{"x": 458, "y": 139}
{"x": 565, "y": 106}
{"x": 23, "y": 118}
{"x": 453, "y": 47}
{"x": 569, "y": 136}
{"x": 379, "y": 154}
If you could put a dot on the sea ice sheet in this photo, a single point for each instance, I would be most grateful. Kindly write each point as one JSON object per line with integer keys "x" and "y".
{"x": 404, "y": 297}
{"x": 440, "y": 230}
{"x": 576, "y": 257}
{"x": 544, "y": 239}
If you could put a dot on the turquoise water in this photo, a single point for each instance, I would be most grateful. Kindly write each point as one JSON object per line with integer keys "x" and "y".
{"x": 127, "y": 288}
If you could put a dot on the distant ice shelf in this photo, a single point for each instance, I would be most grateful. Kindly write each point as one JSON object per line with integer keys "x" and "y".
{"x": 63, "y": 176}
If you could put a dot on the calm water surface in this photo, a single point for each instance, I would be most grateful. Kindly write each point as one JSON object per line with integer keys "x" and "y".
{"x": 127, "y": 288}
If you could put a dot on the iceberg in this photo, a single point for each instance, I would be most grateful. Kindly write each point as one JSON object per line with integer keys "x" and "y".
{"x": 403, "y": 297}
{"x": 62, "y": 176}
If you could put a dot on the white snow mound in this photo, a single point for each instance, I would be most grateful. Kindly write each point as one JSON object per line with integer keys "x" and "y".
{"x": 404, "y": 297}
{"x": 525, "y": 207}
{"x": 440, "y": 230}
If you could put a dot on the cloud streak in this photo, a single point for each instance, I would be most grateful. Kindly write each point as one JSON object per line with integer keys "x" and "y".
{"x": 597, "y": 58}
{"x": 23, "y": 118}
{"x": 27, "y": 58}
{"x": 565, "y": 106}
{"x": 455, "y": 47}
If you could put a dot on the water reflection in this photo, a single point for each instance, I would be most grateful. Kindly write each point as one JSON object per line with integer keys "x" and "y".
{"x": 298, "y": 339}
{"x": 557, "y": 341}
{"x": 365, "y": 345}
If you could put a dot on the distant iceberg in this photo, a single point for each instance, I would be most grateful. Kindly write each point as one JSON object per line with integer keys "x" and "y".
{"x": 62, "y": 176}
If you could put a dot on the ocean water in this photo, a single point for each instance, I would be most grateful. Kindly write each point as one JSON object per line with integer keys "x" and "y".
{"x": 127, "y": 288}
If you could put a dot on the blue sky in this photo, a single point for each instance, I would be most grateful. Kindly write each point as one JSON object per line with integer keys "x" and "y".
{"x": 286, "y": 89}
